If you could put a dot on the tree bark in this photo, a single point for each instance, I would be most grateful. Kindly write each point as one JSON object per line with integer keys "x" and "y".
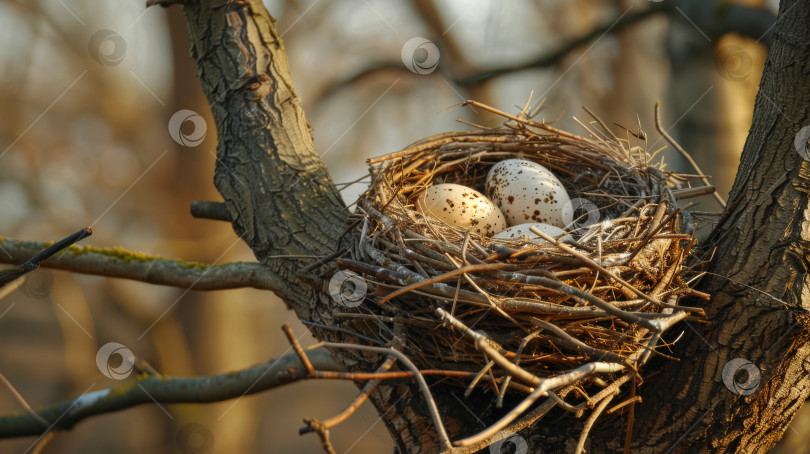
{"x": 277, "y": 190}
{"x": 760, "y": 288}
{"x": 283, "y": 203}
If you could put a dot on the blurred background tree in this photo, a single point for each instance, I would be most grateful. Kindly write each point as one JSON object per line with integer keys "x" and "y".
{"x": 84, "y": 141}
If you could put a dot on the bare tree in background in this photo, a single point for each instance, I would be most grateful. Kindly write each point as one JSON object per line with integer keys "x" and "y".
{"x": 283, "y": 204}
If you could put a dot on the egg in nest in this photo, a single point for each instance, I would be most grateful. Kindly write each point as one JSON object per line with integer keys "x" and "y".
{"x": 525, "y": 192}
{"x": 461, "y": 207}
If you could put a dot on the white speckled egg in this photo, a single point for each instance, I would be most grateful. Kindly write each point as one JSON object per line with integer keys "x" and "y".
{"x": 525, "y": 192}
{"x": 522, "y": 232}
{"x": 461, "y": 207}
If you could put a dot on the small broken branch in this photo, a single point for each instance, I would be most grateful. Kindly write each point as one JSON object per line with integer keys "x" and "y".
{"x": 216, "y": 211}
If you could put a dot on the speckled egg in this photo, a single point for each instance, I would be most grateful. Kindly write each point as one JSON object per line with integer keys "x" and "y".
{"x": 525, "y": 192}
{"x": 522, "y": 232}
{"x": 461, "y": 207}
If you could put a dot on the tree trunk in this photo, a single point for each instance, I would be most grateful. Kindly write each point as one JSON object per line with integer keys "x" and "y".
{"x": 284, "y": 205}
{"x": 759, "y": 308}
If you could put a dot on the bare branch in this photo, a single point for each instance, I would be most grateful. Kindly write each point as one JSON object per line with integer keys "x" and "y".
{"x": 753, "y": 22}
{"x": 550, "y": 59}
{"x": 121, "y": 263}
{"x": 555, "y": 56}
{"x": 47, "y": 250}
{"x": 147, "y": 389}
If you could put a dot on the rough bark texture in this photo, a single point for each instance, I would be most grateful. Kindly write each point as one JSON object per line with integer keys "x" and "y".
{"x": 277, "y": 189}
{"x": 761, "y": 245}
{"x": 282, "y": 202}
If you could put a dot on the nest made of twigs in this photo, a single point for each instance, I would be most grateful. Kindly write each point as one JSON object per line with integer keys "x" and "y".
{"x": 582, "y": 310}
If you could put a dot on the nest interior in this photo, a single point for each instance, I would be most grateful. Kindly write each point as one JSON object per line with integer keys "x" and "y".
{"x": 512, "y": 316}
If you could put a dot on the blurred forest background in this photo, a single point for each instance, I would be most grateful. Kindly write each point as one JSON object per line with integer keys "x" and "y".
{"x": 84, "y": 142}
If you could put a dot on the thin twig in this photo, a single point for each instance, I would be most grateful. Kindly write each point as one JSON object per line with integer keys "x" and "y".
{"x": 572, "y": 376}
{"x": 42, "y": 442}
{"x": 599, "y": 267}
{"x": 447, "y": 276}
{"x": 589, "y": 424}
{"x": 47, "y": 251}
{"x": 313, "y": 425}
{"x": 631, "y": 417}
{"x": 21, "y": 400}
{"x": 298, "y": 350}
{"x": 683, "y": 152}
{"x": 434, "y": 412}
{"x": 362, "y": 397}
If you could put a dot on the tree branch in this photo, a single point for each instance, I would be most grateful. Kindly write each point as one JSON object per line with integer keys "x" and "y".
{"x": 716, "y": 18}
{"x": 555, "y": 56}
{"x": 121, "y": 263}
{"x": 546, "y": 60}
{"x": 36, "y": 258}
{"x": 147, "y": 389}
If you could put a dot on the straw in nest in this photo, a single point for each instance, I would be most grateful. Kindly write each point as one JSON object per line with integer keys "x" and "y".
{"x": 582, "y": 313}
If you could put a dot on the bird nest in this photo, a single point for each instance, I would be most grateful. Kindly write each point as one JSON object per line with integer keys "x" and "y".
{"x": 580, "y": 313}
